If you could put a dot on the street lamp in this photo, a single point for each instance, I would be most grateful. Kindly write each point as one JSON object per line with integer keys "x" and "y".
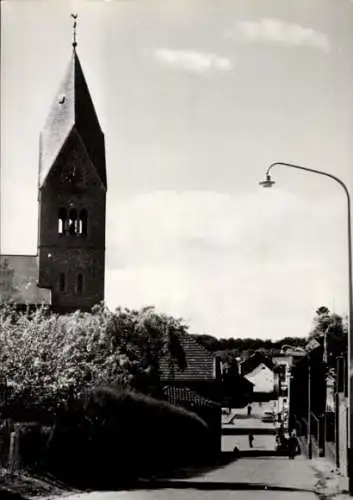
{"x": 309, "y": 436}
{"x": 268, "y": 182}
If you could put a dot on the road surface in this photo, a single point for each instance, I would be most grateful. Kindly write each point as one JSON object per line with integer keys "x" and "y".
{"x": 262, "y": 476}
{"x": 258, "y": 474}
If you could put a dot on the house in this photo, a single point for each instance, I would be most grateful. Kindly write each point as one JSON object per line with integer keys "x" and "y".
{"x": 308, "y": 380}
{"x": 236, "y": 390}
{"x": 204, "y": 385}
{"x": 253, "y": 361}
{"x": 263, "y": 379}
{"x": 197, "y": 386}
{"x": 282, "y": 367}
{"x": 206, "y": 373}
{"x": 202, "y": 373}
{"x": 67, "y": 273}
{"x": 259, "y": 370}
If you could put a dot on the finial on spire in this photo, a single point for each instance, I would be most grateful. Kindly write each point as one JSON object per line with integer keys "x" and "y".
{"x": 74, "y": 16}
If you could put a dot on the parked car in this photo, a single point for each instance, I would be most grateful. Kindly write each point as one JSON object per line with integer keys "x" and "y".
{"x": 269, "y": 417}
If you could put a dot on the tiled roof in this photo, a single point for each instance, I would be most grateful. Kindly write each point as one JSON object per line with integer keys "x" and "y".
{"x": 183, "y": 396}
{"x": 18, "y": 280}
{"x": 200, "y": 362}
{"x": 72, "y": 111}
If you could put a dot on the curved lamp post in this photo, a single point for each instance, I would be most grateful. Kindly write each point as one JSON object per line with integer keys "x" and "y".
{"x": 268, "y": 182}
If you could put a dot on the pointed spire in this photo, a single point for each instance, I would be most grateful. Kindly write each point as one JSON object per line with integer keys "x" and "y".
{"x": 72, "y": 112}
{"x": 74, "y": 43}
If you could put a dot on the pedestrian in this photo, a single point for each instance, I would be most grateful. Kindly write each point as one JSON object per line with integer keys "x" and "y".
{"x": 251, "y": 439}
{"x": 281, "y": 429}
{"x": 277, "y": 442}
{"x": 292, "y": 445}
{"x": 249, "y": 410}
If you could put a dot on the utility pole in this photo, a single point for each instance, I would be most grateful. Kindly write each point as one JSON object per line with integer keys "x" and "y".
{"x": 310, "y": 445}
{"x": 339, "y": 388}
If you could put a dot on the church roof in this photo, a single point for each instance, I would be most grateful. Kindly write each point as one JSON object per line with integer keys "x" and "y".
{"x": 72, "y": 109}
{"x": 18, "y": 281}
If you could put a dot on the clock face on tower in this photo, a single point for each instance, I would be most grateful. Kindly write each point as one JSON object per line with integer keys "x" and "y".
{"x": 72, "y": 174}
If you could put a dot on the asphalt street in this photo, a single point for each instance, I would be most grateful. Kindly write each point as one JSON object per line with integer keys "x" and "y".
{"x": 257, "y": 474}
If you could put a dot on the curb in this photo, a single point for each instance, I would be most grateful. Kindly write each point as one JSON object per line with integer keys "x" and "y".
{"x": 331, "y": 483}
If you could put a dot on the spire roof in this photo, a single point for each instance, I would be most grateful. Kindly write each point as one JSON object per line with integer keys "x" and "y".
{"x": 72, "y": 110}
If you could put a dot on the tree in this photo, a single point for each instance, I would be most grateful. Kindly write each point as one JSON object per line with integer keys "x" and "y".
{"x": 45, "y": 358}
{"x": 334, "y": 328}
{"x": 144, "y": 337}
{"x": 245, "y": 347}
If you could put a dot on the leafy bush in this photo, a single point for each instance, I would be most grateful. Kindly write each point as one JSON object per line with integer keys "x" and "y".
{"x": 47, "y": 359}
{"x": 111, "y": 436}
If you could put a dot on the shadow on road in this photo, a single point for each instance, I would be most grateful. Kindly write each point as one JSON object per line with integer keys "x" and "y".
{"x": 214, "y": 486}
{"x": 186, "y": 478}
{"x": 224, "y": 459}
{"x": 256, "y": 453}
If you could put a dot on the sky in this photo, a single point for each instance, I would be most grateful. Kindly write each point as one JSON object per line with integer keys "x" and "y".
{"x": 196, "y": 98}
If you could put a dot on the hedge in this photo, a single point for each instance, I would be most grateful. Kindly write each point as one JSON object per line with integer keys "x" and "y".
{"x": 111, "y": 436}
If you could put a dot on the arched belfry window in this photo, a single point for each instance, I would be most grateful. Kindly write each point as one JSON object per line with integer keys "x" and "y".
{"x": 79, "y": 283}
{"x": 82, "y": 224}
{"x": 62, "y": 282}
{"x": 73, "y": 222}
{"x": 62, "y": 216}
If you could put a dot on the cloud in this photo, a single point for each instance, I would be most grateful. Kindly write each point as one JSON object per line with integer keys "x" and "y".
{"x": 256, "y": 265}
{"x": 193, "y": 61}
{"x": 277, "y": 31}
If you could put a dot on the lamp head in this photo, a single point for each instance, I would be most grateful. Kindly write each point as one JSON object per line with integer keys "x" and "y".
{"x": 268, "y": 182}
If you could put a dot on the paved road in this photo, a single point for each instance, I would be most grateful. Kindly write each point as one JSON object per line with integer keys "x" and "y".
{"x": 257, "y": 474}
{"x": 246, "y": 479}
{"x": 240, "y": 422}
{"x": 261, "y": 443}
{"x": 261, "y": 476}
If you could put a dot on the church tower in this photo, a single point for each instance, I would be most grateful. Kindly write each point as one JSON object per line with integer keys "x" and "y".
{"x": 72, "y": 196}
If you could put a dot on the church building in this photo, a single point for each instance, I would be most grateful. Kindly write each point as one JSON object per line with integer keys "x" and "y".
{"x": 68, "y": 271}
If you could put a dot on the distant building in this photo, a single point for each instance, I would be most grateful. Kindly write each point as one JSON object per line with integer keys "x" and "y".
{"x": 303, "y": 366}
{"x": 282, "y": 367}
{"x": 68, "y": 271}
{"x": 253, "y": 361}
{"x": 263, "y": 379}
{"x": 258, "y": 369}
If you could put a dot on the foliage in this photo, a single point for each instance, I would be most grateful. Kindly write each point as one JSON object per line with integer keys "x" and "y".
{"x": 46, "y": 358}
{"x": 334, "y": 328}
{"x": 117, "y": 435}
{"x": 245, "y": 347}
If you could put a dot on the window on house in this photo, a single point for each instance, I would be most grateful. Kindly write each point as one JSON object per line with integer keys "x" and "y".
{"x": 62, "y": 282}
{"x": 61, "y": 220}
{"x": 79, "y": 283}
{"x": 82, "y": 229}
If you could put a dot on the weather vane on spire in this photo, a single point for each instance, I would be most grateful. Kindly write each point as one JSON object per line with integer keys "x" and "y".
{"x": 74, "y": 16}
